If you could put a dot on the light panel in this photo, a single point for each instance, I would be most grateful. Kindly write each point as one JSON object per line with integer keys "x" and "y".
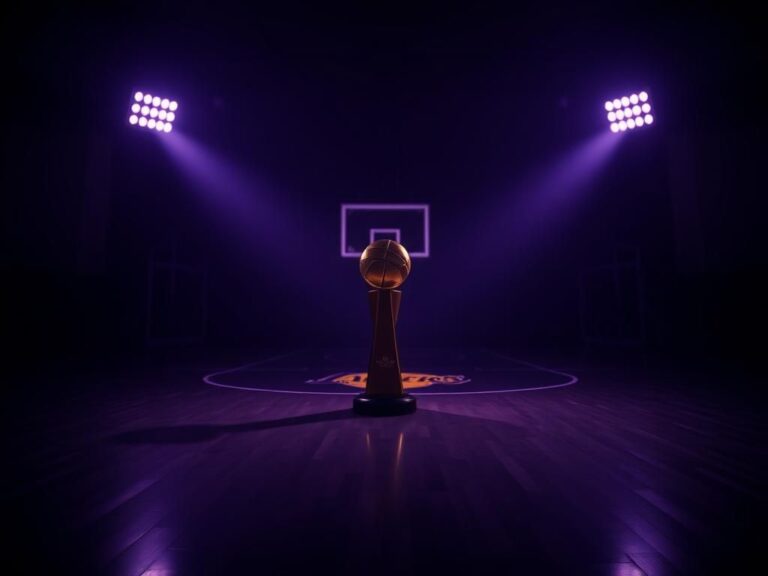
{"x": 629, "y": 112}
{"x": 152, "y": 112}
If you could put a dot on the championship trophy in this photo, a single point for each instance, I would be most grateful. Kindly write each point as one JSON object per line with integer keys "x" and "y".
{"x": 384, "y": 265}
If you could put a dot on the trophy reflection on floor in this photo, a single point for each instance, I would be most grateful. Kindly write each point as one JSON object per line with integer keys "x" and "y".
{"x": 384, "y": 265}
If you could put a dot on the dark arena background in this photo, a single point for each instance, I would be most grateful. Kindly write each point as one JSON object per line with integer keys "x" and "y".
{"x": 187, "y": 190}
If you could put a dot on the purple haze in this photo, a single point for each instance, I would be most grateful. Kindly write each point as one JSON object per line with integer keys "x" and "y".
{"x": 541, "y": 201}
{"x": 249, "y": 209}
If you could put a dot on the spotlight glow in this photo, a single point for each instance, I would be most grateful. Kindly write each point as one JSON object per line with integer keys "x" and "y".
{"x": 153, "y": 112}
{"x": 629, "y": 112}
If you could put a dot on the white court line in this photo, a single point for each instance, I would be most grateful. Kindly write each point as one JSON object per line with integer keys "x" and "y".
{"x": 571, "y": 380}
{"x": 209, "y": 379}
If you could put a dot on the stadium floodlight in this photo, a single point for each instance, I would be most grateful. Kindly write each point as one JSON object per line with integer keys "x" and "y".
{"x": 152, "y": 112}
{"x": 629, "y": 112}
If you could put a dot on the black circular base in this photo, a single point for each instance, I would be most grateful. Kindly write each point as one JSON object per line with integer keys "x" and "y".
{"x": 384, "y": 405}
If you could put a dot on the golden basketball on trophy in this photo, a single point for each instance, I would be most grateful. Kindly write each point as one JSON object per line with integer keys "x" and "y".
{"x": 385, "y": 264}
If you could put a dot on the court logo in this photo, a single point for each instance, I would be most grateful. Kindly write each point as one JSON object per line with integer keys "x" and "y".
{"x": 410, "y": 379}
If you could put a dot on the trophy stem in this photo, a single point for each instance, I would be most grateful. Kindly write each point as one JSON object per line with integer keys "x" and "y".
{"x": 384, "y": 386}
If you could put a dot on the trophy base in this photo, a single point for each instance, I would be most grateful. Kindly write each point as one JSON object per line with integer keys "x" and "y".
{"x": 384, "y": 405}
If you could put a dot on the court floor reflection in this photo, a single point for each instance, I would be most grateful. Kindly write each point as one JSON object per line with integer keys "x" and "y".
{"x": 178, "y": 478}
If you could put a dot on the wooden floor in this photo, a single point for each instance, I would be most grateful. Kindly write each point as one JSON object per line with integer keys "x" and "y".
{"x": 622, "y": 474}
